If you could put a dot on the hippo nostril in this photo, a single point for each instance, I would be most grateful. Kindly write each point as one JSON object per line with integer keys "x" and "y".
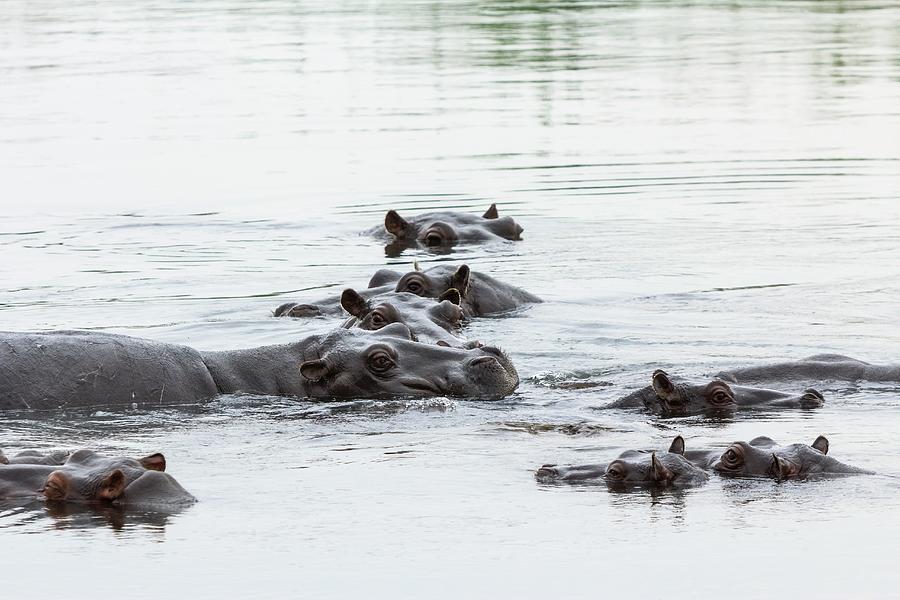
{"x": 481, "y": 360}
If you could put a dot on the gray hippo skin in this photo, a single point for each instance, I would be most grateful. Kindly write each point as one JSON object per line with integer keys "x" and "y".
{"x": 633, "y": 468}
{"x": 429, "y": 321}
{"x": 70, "y": 369}
{"x": 480, "y": 294}
{"x": 763, "y": 457}
{"x": 820, "y": 367}
{"x": 88, "y": 477}
{"x": 445, "y": 228}
{"x": 671, "y": 396}
{"x": 33, "y": 457}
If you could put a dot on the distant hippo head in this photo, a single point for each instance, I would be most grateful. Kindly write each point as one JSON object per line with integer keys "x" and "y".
{"x": 447, "y": 228}
{"x": 350, "y": 363}
{"x": 634, "y": 468}
{"x": 763, "y": 457}
{"x": 675, "y": 397}
{"x": 429, "y": 320}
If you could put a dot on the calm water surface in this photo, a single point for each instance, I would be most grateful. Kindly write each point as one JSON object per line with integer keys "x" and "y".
{"x": 703, "y": 185}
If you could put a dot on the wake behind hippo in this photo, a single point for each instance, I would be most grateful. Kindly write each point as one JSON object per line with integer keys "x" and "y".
{"x": 443, "y": 229}
{"x": 76, "y": 368}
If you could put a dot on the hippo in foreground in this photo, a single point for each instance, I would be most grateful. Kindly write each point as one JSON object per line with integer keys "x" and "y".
{"x": 87, "y": 477}
{"x": 443, "y": 229}
{"x": 633, "y": 468}
{"x": 763, "y": 457}
{"x": 78, "y": 368}
{"x": 480, "y": 295}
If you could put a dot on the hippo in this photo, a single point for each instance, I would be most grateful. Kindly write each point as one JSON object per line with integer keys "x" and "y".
{"x": 819, "y": 367}
{"x": 444, "y": 229}
{"x": 79, "y": 368}
{"x": 634, "y": 468}
{"x": 480, "y": 294}
{"x": 672, "y": 396}
{"x": 87, "y": 477}
{"x": 33, "y": 457}
{"x": 429, "y": 321}
{"x": 763, "y": 457}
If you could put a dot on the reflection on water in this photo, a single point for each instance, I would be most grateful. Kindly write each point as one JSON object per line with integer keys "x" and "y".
{"x": 702, "y": 186}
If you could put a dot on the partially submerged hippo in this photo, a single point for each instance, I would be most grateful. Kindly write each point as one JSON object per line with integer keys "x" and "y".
{"x": 633, "y": 468}
{"x": 429, "y": 321}
{"x": 480, "y": 294}
{"x": 763, "y": 457}
{"x": 671, "y": 396}
{"x": 447, "y": 228}
{"x": 78, "y": 368}
{"x": 33, "y": 457}
{"x": 819, "y": 367}
{"x": 88, "y": 477}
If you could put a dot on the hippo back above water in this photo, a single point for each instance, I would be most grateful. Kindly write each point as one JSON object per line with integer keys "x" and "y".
{"x": 78, "y": 368}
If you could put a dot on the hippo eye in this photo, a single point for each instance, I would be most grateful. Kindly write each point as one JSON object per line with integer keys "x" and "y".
{"x": 732, "y": 458}
{"x": 433, "y": 238}
{"x": 381, "y": 362}
{"x": 415, "y": 287}
{"x": 721, "y": 397}
{"x": 378, "y": 320}
{"x": 615, "y": 471}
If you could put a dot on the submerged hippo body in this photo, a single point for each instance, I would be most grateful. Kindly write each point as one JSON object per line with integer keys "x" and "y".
{"x": 672, "y": 396}
{"x": 633, "y": 468}
{"x": 68, "y": 369}
{"x": 763, "y": 457}
{"x": 33, "y": 457}
{"x": 87, "y": 477}
{"x": 444, "y": 229}
{"x": 820, "y": 367}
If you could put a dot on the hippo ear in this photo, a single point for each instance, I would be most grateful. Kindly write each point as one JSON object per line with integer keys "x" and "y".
{"x": 395, "y": 224}
{"x": 658, "y": 471}
{"x": 112, "y": 486}
{"x": 154, "y": 462}
{"x": 314, "y": 370}
{"x": 662, "y": 385}
{"x": 821, "y": 444}
{"x": 491, "y": 213}
{"x": 460, "y": 280}
{"x": 354, "y": 304}
{"x": 452, "y": 295}
{"x": 57, "y": 486}
{"x": 677, "y": 446}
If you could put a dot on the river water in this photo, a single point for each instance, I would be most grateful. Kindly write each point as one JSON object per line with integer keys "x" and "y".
{"x": 702, "y": 184}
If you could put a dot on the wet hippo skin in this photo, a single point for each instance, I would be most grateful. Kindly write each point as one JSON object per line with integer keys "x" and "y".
{"x": 480, "y": 294}
{"x": 672, "y": 396}
{"x": 633, "y": 468}
{"x": 763, "y": 457}
{"x": 72, "y": 368}
{"x": 820, "y": 367}
{"x": 87, "y": 477}
{"x": 447, "y": 228}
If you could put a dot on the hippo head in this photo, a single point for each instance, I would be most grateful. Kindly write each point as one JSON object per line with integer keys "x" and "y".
{"x": 762, "y": 457}
{"x": 442, "y": 229}
{"x": 428, "y": 320}
{"x": 677, "y": 397}
{"x": 351, "y": 363}
{"x": 639, "y": 468}
{"x": 435, "y": 283}
{"x": 88, "y": 477}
